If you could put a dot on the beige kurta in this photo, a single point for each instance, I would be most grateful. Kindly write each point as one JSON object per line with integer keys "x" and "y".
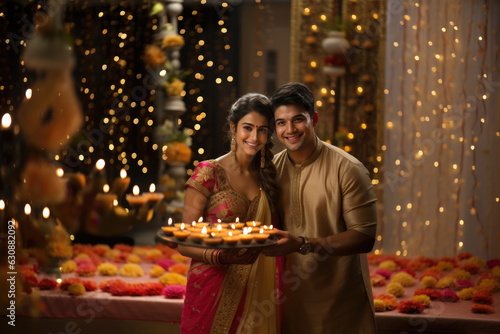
{"x": 329, "y": 193}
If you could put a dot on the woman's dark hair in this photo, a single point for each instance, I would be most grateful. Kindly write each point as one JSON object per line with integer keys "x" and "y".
{"x": 260, "y": 104}
{"x": 294, "y": 93}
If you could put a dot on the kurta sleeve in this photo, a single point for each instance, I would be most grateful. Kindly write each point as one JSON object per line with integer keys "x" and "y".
{"x": 358, "y": 200}
{"x": 203, "y": 178}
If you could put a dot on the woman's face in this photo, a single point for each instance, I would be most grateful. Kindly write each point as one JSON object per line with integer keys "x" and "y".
{"x": 251, "y": 133}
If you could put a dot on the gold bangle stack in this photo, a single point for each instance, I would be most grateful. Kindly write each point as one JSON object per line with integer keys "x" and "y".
{"x": 212, "y": 256}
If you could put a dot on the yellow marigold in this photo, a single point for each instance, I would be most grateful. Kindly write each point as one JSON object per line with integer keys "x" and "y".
{"x": 445, "y": 265}
{"x": 395, "y": 289}
{"x": 388, "y": 265}
{"x": 404, "y": 278}
{"x": 112, "y": 253}
{"x": 461, "y": 274}
{"x": 428, "y": 282}
{"x": 154, "y": 56}
{"x": 172, "y": 40}
{"x": 140, "y": 251}
{"x": 175, "y": 87}
{"x": 173, "y": 278}
{"x": 466, "y": 294}
{"x": 76, "y": 289}
{"x": 379, "y": 305}
{"x": 133, "y": 258}
{"x": 423, "y": 299}
{"x": 153, "y": 255}
{"x": 61, "y": 250}
{"x": 82, "y": 256}
{"x": 156, "y": 271}
{"x": 496, "y": 271}
{"x": 180, "y": 258}
{"x": 445, "y": 282}
{"x": 489, "y": 283}
{"x": 476, "y": 260}
{"x": 68, "y": 267}
{"x": 131, "y": 270}
{"x": 107, "y": 269}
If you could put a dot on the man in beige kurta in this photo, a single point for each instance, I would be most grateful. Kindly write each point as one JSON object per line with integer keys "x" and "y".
{"x": 328, "y": 198}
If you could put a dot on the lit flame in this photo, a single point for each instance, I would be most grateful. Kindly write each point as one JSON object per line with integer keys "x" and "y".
{"x": 233, "y": 227}
{"x": 152, "y": 188}
{"x": 169, "y": 221}
{"x": 237, "y": 219}
{"x": 193, "y": 224}
{"x": 60, "y": 172}
{"x": 182, "y": 226}
{"x": 46, "y": 212}
{"x": 136, "y": 190}
{"x": 261, "y": 230}
{"x": 204, "y": 229}
{"x": 200, "y": 219}
{"x": 27, "y": 209}
{"x": 29, "y": 92}
{"x": 219, "y": 227}
{"x": 6, "y": 120}
{"x": 105, "y": 188}
{"x": 123, "y": 173}
{"x": 115, "y": 202}
{"x": 100, "y": 164}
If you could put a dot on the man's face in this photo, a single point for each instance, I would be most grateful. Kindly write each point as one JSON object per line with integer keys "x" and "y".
{"x": 295, "y": 129}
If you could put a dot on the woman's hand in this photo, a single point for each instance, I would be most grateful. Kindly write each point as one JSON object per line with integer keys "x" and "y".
{"x": 239, "y": 255}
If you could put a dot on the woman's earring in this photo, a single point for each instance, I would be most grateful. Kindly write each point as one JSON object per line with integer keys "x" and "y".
{"x": 262, "y": 157}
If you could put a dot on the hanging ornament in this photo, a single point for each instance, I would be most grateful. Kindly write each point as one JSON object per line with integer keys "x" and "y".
{"x": 335, "y": 46}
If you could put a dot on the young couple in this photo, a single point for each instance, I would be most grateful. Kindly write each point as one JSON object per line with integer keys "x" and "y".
{"x": 322, "y": 200}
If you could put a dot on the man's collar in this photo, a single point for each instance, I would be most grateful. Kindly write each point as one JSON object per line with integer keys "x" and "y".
{"x": 313, "y": 157}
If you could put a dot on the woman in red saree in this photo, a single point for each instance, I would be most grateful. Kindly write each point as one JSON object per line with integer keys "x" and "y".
{"x": 240, "y": 293}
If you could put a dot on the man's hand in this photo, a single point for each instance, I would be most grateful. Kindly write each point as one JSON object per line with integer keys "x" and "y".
{"x": 287, "y": 243}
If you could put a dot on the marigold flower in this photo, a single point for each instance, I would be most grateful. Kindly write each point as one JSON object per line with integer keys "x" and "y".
{"x": 174, "y": 291}
{"x": 47, "y": 284}
{"x": 410, "y": 306}
{"x": 461, "y": 274}
{"x": 156, "y": 271}
{"x": 68, "y": 267}
{"x": 446, "y": 282}
{"x": 173, "y": 278}
{"x": 107, "y": 269}
{"x": 490, "y": 283}
{"x": 496, "y": 272}
{"x": 76, "y": 289}
{"x": 404, "y": 278}
{"x": 86, "y": 269}
{"x": 384, "y": 272}
{"x": 395, "y": 288}
{"x": 422, "y": 299}
{"x": 179, "y": 268}
{"x": 482, "y": 298}
{"x": 153, "y": 255}
{"x": 445, "y": 265}
{"x": 388, "y": 265}
{"x": 154, "y": 56}
{"x": 493, "y": 263}
{"x": 377, "y": 280}
{"x": 466, "y": 294}
{"x": 428, "y": 282}
{"x": 389, "y": 300}
{"x": 433, "y": 294}
{"x": 480, "y": 308}
{"x": 464, "y": 284}
{"x": 464, "y": 255}
{"x": 131, "y": 270}
{"x": 448, "y": 295}
{"x": 172, "y": 40}
{"x": 174, "y": 87}
{"x": 379, "y": 305}
{"x": 133, "y": 258}
{"x": 180, "y": 258}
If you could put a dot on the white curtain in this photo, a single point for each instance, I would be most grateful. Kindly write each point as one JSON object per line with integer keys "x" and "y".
{"x": 442, "y": 129}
